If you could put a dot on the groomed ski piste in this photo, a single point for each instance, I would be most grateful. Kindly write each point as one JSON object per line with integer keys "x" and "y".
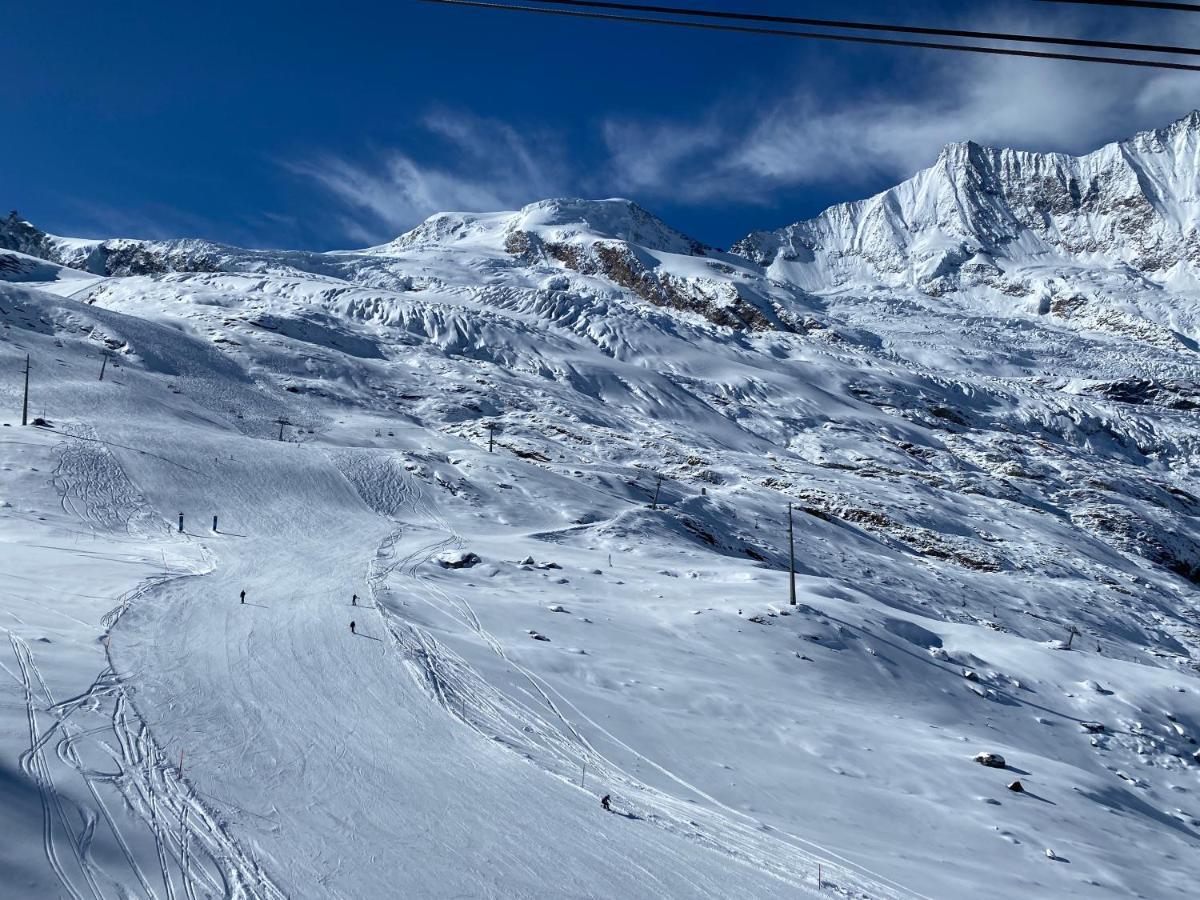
{"x": 555, "y": 509}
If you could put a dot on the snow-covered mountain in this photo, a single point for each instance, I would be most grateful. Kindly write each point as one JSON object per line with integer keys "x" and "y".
{"x": 1031, "y": 226}
{"x": 550, "y": 453}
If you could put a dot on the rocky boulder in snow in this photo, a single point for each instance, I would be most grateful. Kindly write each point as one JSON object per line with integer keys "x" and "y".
{"x": 458, "y": 559}
{"x": 991, "y": 760}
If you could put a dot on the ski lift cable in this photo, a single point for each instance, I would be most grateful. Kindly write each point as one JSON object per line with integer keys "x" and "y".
{"x": 821, "y": 36}
{"x": 1133, "y": 4}
{"x": 875, "y": 26}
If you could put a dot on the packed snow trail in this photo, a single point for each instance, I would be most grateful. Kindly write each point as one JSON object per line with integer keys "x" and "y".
{"x": 322, "y": 754}
{"x": 116, "y": 820}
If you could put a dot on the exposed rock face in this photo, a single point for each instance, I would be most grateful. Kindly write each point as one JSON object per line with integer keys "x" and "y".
{"x": 17, "y": 234}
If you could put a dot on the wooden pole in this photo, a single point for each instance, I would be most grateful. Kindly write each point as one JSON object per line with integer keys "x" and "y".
{"x": 491, "y": 436}
{"x": 791, "y": 560}
{"x": 25, "y": 402}
{"x": 103, "y": 363}
{"x": 657, "y": 488}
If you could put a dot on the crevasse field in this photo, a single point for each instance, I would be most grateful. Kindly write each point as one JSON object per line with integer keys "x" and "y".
{"x": 992, "y": 456}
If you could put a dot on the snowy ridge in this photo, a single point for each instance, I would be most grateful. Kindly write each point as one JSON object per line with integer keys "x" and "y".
{"x": 1009, "y": 219}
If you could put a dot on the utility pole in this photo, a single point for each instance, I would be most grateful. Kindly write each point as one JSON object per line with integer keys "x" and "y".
{"x": 791, "y": 560}
{"x": 104, "y": 356}
{"x": 25, "y": 402}
{"x": 1071, "y": 635}
{"x": 281, "y": 421}
{"x": 491, "y": 435}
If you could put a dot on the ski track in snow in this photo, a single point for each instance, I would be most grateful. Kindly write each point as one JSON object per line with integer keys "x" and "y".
{"x": 559, "y": 746}
{"x": 193, "y": 849}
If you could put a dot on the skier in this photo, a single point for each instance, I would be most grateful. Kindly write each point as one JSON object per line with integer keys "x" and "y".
{"x": 354, "y": 600}
{"x": 243, "y": 596}
{"x": 604, "y": 802}
{"x": 352, "y": 631}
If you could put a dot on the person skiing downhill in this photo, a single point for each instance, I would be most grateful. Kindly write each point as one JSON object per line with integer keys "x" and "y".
{"x": 243, "y": 596}
{"x": 354, "y": 600}
{"x": 604, "y": 802}
{"x": 352, "y": 631}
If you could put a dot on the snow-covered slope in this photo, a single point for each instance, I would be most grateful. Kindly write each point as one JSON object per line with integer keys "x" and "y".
{"x": 549, "y": 455}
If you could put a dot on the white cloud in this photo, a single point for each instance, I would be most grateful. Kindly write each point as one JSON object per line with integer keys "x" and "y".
{"x": 486, "y": 165}
{"x": 822, "y": 134}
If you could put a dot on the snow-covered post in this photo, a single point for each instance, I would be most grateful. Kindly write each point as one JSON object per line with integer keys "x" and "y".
{"x": 214, "y": 523}
{"x": 181, "y": 523}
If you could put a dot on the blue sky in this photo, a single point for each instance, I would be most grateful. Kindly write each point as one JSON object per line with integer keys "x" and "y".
{"x": 339, "y": 125}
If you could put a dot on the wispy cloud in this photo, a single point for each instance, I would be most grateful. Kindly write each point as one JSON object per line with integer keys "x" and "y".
{"x": 483, "y": 165}
{"x": 821, "y": 135}
{"x": 849, "y": 132}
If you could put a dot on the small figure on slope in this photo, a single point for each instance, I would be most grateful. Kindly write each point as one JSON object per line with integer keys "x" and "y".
{"x": 243, "y": 596}
{"x": 352, "y": 631}
{"x": 354, "y": 600}
{"x": 604, "y": 802}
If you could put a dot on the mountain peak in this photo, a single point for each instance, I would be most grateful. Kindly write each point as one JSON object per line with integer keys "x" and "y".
{"x": 614, "y": 218}
{"x": 557, "y": 219}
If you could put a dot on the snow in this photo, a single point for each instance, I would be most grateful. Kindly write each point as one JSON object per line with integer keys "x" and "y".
{"x": 997, "y": 543}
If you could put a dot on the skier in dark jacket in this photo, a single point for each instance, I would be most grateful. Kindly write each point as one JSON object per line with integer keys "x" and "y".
{"x": 354, "y": 600}
{"x": 243, "y": 596}
{"x": 604, "y": 802}
{"x": 352, "y": 631}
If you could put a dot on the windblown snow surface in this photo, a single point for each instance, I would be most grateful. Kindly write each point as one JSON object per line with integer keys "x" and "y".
{"x": 988, "y": 434}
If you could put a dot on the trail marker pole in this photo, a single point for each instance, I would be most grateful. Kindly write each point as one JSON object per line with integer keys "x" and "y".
{"x": 103, "y": 363}
{"x": 657, "y": 488}
{"x": 583, "y": 777}
{"x": 491, "y": 436}
{"x": 820, "y": 880}
{"x": 214, "y": 523}
{"x": 179, "y": 777}
{"x": 25, "y": 402}
{"x": 791, "y": 560}
{"x": 181, "y": 523}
